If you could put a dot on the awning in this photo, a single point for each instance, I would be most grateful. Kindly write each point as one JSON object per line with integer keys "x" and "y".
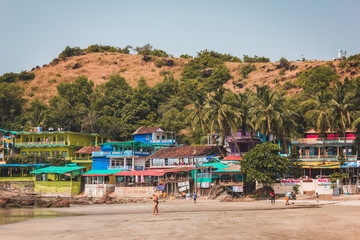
{"x": 231, "y": 169}
{"x": 60, "y": 170}
{"x": 349, "y": 165}
{"x": 232, "y": 158}
{"x": 319, "y": 165}
{"x": 142, "y": 173}
{"x": 94, "y": 173}
{"x": 214, "y": 165}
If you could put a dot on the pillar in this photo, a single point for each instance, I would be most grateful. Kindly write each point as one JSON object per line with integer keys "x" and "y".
{"x": 132, "y": 163}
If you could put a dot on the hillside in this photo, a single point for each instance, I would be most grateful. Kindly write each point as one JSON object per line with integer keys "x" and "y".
{"x": 99, "y": 66}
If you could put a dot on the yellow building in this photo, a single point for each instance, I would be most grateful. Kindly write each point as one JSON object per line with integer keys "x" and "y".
{"x": 62, "y": 143}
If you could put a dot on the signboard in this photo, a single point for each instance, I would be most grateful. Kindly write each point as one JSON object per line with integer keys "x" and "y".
{"x": 324, "y": 182}
{"x": 139, "y": 168}
{"x": 182, "y": 184}
{"x": 289, "y": 182}
{"x": 336, "y": 191}
{"x": 357, "y": 163}
{"x": 181, "y": 189}
{"x": 205, "y": 185}
{"x": 161, "y": 187}
{"x": 1, "y": 155}
{"x": 237, "y": 188}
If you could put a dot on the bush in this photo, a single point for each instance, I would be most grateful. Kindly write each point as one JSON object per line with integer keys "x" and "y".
{"x": 284, "y": 63}
{"x": 13, "y": 77}
{"x": 159, "y": 63}
{"x": 69, "y": 52}
{"x": 255, "y": 59}
{"x": 245, "y": 70}
{"x": 317, "y": 78}
{"x": 186, "y": 56}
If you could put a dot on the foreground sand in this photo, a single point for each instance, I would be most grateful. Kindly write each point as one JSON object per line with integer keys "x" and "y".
{"x": 181, "y": 219}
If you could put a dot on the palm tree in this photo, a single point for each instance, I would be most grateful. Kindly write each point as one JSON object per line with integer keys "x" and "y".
{"x": 268, "y": 111}
{"x": 222, "y": 115}
{"x": 319, "y": 115}
{"x": 197, "y": 114}
{"x": 342, "y": 108}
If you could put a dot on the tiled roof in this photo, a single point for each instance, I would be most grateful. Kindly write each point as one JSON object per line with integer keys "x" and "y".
{"x": 188, "y": 151}
{"x": 88, "y": 150}
{"x": 146, "y": 130}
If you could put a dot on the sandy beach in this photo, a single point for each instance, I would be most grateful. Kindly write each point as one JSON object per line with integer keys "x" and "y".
{"x": 182, "y": 219}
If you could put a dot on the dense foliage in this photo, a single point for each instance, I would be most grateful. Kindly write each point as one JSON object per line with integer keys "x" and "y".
{"x": 264, "y": 164}
{"x": 193, "y": 106}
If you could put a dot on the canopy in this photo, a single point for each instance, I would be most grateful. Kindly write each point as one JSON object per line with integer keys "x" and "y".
{"x": 232, "y": 158}
{"x": 93, "y": 173}
{"x": 6, "y": 131}
{"x": 319, "y": 165}
{"x": 349, "y": 165}
{"x": 60, "y": 170}
{"x": 214, "y": 165}
{"x": 24, "y": 165}
{"x": 142, "y": 173}
{"x": 231, "y": 169}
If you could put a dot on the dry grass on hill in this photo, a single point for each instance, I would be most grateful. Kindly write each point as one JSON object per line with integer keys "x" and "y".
{"x": 99, "y": 66}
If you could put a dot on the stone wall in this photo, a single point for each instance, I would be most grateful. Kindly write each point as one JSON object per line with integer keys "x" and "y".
{"x": 17, "y": 186}
{"x": 98, "y": 190}
{"x": 134, "y": 192}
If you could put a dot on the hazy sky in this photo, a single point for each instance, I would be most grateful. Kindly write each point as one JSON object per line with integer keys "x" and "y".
{"x": 34, "y": 32}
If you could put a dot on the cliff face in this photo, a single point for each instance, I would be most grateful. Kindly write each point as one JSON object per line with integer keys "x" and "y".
{"x": 99, "y": 66}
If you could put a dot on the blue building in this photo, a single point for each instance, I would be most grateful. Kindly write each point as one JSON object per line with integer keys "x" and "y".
{"x": 155, "y": 135}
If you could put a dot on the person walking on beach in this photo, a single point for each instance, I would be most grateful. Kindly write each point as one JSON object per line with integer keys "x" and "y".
{"x": 272, "y": 194}
{"x": 156, "y": 203}
{"x": 287, "y": 197}
{"x": 317, "y": 197}
{"x": 194, "y": 197}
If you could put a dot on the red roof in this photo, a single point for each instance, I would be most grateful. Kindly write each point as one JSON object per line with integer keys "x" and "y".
{"x": 147, "y": 130}
{"x": 88, "y": 150}
{"x": 188, "y": 151}
{"x": 232, "y": 158}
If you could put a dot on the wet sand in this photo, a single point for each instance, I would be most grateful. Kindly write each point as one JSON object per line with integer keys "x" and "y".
{"x": 182, "y": 219}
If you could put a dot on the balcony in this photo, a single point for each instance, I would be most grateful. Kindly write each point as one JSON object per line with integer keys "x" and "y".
{"x": 121, "y": 153}
{"x": 163, "y": 141}
{"x": 327, "y": 158}
{"x": 36, "y": 144}
{"x": 334, "y": 140}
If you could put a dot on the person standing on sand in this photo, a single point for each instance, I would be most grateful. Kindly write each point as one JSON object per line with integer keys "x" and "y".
{"x": 194, "y": 197}
{"x": 317, "y": 197}
{"x": 272, "y": 194}
{"x": 156, "y": 203}
{"x": 287, "y": 197}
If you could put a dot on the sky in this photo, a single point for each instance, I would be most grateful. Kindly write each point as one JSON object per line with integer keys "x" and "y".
{"x": 33, "y": 33}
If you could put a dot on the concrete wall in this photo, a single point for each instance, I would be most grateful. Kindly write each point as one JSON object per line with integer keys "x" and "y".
{"x": 305, "y": 187}
{"x": 17, "y": 186}
{"x": 98, "y": 190}
{"x": 63, "y": 189}
{"x": 134, "y": 192}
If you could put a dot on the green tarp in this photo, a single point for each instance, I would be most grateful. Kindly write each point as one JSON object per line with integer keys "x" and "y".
{"x": 6, "y": 131}
{"x": 214, "y": 165}
{"x": 60, "y": 170}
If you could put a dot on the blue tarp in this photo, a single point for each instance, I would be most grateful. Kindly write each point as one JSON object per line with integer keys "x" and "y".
{"x": 349, "y": 165}
{"x": 211, "y": 156}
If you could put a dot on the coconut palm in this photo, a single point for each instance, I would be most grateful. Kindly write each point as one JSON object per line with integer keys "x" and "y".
{"x": 342, "y": 109}
{"x": 268, "y": 111}
{"x": 222, "y": 115}
{"x": 197, "y": 115}
{"x": 319, "y": 115}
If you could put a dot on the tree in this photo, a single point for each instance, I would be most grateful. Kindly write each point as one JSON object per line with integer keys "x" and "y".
{"x": 341, "y": 107}
{"x": 222, "y": 116}
{"x": 316, "y": 79}
{"x": 264, "y": 164}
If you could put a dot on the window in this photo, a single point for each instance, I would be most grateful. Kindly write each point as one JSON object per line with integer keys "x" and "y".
{"x": 23, "y": 153}
{"x": 158, "y": 162}
{"x": 64, "y": 153}
{"x": 147, "y": 137}
{"x": 83, "y": 155}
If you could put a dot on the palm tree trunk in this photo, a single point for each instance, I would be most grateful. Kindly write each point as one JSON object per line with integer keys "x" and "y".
{"x": 237, "y": 147}
{"x": 345, "y": 147}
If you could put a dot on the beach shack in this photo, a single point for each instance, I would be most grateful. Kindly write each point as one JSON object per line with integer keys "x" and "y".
{"x": 62, "y": 181}
{"x": 231, "y": 180}
{"x": 17, "y": 177}
{"x": 99, "y": 183}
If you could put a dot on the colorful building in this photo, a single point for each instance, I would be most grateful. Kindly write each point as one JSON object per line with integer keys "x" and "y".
{"x": 244, "y": 141}
{"x": 154, "y": 135}
{"x": 62, "y": 143}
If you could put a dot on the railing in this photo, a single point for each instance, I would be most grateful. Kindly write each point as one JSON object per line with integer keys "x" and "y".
{"x": 121, "y": 153}
{"x": 205, "y": 175}
{"x": 321, "y": 140}
{"x": 18, "y": 144}
{"x": 127, "y": 167}
{"x": 163, "y": 141}
{"x": 78, "y": 158}
{"x": 327, "y": 157}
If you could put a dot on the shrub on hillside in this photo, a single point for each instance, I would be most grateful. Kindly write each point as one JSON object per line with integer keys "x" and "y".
{"x": 14, "y": 77}
{"x": 245, "y": 70}
{"x": 283, "y": 63}
{"x": 255, "y": 59}
{"x": 69, "y": 52}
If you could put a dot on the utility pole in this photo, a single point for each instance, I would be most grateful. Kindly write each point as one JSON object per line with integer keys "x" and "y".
{"x": 196, "y": 176}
